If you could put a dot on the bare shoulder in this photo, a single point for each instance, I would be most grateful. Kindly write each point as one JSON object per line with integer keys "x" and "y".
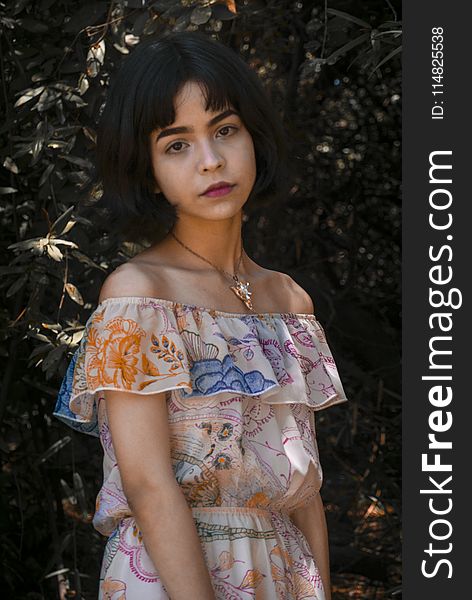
{"x": 129, "y": 279}
{"x": 301, "y": 298}
{"x": 295, "y": 296}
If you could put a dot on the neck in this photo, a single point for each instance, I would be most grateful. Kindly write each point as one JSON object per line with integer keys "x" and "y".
{"x": 218, "y": 242}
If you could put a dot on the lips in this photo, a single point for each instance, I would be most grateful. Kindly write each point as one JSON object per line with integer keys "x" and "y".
{"x": 218, "y": 189}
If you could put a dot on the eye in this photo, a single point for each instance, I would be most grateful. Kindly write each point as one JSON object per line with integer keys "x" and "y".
{"x": 172, "y": 146}
{"x": 228, "y": 127}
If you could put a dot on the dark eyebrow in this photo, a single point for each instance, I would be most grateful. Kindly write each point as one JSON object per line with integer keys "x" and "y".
{"x": 183, "y": 129}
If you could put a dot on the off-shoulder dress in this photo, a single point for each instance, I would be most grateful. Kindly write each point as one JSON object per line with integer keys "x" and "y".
{"x": 242, "y": 390}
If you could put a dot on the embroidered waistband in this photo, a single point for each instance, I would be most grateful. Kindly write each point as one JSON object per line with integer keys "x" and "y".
{"x": 263, "y": 512}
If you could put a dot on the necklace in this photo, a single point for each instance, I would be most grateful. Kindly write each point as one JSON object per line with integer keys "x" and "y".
{"x": 239, "y": 288}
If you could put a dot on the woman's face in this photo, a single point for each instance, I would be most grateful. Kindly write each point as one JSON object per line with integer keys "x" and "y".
{"x": 200, "y": 149}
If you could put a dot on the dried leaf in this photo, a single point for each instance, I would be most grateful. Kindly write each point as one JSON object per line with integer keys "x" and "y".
{"x": 10, "y": 164}
{"x": 54, "y": 252}
{"x": 74, "y": 293}
{"x": 231, "y": 4}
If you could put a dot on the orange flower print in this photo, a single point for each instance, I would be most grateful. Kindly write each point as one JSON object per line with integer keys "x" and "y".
{"x": 225, "y": 560}
{"x": 113, "y": 360}
{"x": 258, "y": 499}
{"x": 252, "y": 579}
{"x": 113, "y": 589}
{"x": 122, "y": 360}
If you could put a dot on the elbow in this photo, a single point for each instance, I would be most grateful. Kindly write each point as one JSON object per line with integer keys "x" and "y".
{"x": 143, "y": 494}
{"x": 307, "y": 510}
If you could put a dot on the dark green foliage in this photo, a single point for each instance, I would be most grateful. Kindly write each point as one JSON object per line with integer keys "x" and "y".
{"x": 335, "y": 81}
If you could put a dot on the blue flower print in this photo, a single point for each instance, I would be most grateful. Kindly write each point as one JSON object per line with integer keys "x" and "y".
{"x": 213, "y": 375}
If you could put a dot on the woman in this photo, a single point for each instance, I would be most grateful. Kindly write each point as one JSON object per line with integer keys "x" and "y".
{"x": 201, "y": 370}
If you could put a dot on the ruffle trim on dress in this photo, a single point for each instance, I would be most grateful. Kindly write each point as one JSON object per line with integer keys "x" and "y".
{"x": 149, "y": 345}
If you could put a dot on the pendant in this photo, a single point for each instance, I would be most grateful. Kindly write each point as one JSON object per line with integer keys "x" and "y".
{"x": 242, "y": 291}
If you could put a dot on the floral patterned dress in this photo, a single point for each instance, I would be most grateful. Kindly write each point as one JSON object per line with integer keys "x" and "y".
{"x": 242, "y": 390}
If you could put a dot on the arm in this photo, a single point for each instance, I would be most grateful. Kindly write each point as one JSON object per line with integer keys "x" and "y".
{"x": 140, "y": 434}
{"x": 311, "y": 521}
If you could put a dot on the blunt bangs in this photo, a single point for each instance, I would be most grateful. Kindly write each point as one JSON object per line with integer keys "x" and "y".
{"x": 141, "y": 99}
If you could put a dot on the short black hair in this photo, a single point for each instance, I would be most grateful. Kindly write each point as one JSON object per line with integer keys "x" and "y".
{"x": 141, "y": 99}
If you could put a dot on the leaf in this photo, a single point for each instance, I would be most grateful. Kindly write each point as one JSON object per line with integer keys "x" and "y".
{"x": 17, "y": 285}
{"x": 8, "y": 190}
{"x": 54, "y": 252}
{"x": 40, "y": 350}
{"x": 352, "y": 44}
{"x": 231, "y": 4}
{"x": 83, "y": 258}
{"x": 200, "y": 15}
{"x": 95, "y": 58}
{"x": 11, "y": 166}
{"x": 83, "y": 84}
{"x": 53, "y": 358}
{"x": 47, "y": 171}
{"x": 30, "y": 94}
{"x": 54, "y": 449}
{"x": 52, "y": 326}
{"x": 122, "y": 49}
{"x": 9, "y": 270}
{"x": 90, "y": 133}
{"x": 97, "y": 52}
{"x": 77, "y": 100}
{"x": 80, "y": 492}
{"x": 47, "y": 99}
{"x": 76, "y": 160}
{"x": 68, "y": 226}
{"x": 32, "y": 25}
{"x": 348, "y": 17}
{"x": 68, "y": 491}
{"x": 77, "y": 336}
{"x": 38, "y": 336}
{"x": 89, "y": 12}
{"x": 58, "y": 223}
{"x": 58, "y": 572}
{"x": 388, "y": 57}
{"x": 224, "y": 12}
{"x": 60, "y": 242}
{"x": 65, "y": 88}
{"x": 74, "y": 293}
{"x": 28, "y": 244}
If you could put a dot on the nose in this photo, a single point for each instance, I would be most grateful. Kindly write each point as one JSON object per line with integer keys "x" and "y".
{"x": 210, "y": 159}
